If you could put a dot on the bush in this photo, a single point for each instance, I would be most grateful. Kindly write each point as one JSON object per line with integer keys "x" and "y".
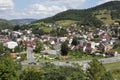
{"x": 76, "y": 54}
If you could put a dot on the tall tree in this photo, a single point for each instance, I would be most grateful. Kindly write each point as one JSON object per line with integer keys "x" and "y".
{"x": 1, "y": 49}
{"x": 74, "y": 42}
{"x": 64, "y": 48}
{"x": 16, "y": 28}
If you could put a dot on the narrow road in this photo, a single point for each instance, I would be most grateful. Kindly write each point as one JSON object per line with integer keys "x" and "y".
{"x": 30, "y": 57}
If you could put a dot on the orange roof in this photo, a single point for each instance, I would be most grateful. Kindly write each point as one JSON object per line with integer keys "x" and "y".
{"x": 111, "y": 51}
{"x": 14, "y": 55}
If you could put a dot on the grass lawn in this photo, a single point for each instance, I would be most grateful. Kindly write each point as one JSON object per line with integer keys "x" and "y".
{"x": 72, "y": 57}
{"x": 47, "y": 30}
{"x": 66, "y": 22}
{"x": 112, "y": 66}
{"x": 26, "y": 67}
{"x": 106, "y": 14}
{"x": 83, "y": 57}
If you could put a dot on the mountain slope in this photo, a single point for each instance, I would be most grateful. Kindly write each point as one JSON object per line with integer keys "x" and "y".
{"x": 105, "y": 13}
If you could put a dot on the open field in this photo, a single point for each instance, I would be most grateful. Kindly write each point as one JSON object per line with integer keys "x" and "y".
{"x": 105, "y": 16}
{"x": 114, "y": 68}
{"x": 47, "y": 30}
{"x": 65, "y": 22}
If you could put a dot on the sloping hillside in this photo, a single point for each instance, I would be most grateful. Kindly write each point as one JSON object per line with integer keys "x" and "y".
{"x": 4, "y": 24}
{"x": 105, "y": 13}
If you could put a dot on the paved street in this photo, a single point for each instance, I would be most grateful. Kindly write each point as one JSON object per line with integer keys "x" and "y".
{"x": 30, "y": 57}
{"x": 29, "y": 53}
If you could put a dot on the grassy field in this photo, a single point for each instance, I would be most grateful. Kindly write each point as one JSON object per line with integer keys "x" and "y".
{"x": 47, "y": 30}
{"x": 65, "y": 58}
{"x": 114, "y": 68}
{"x": 66, "y": 23}
{"x": 105, "y": 16}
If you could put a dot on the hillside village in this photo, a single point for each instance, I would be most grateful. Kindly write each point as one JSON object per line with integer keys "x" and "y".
{"x": 101, "y": 41}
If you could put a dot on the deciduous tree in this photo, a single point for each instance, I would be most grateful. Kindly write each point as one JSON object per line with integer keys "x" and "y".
{"x": 8, "y": 68}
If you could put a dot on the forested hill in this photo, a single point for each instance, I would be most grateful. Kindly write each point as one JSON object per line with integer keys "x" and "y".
{"x": 5, "y": 24}
{"x": 95, "y": 16}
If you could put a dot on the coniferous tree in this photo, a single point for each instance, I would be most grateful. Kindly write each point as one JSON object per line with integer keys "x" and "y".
{"x": 64, "y": 48}
{"x": 74, "y": 42}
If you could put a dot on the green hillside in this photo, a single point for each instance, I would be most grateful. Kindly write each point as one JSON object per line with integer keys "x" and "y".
{"x": 65, "y": 22}
{"x": 4, "y": 24}
{"x": 106, "y": 13}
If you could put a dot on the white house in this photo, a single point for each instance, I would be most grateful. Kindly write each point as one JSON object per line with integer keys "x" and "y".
{"x": 10, "y": 44}
{"x": 18, "y": 33}
{"x": 62, "y": 39}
